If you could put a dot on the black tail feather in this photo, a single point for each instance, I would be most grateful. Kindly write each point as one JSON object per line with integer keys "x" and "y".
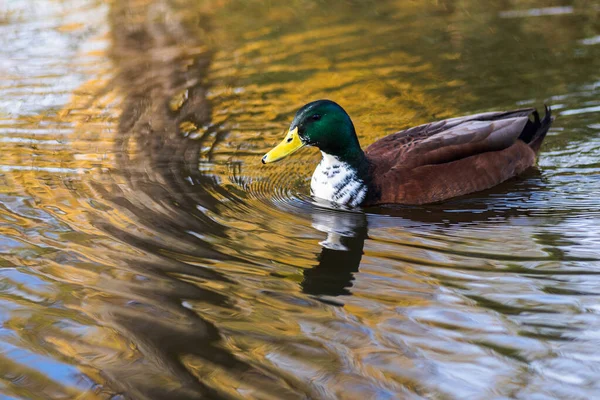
{"x": 535, "y": 131}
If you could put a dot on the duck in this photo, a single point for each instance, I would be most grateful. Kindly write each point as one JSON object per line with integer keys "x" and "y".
{"x": 429, "y": 163}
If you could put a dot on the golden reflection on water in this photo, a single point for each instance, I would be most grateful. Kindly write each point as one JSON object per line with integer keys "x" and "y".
{"x": 291, "y": 54}
{"x": 147, "y": 253}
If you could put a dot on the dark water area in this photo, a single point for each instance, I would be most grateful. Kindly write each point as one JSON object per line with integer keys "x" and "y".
{"x": 146, "y": 253}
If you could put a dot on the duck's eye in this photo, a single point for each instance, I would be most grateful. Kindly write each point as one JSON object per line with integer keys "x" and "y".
{"x": 315, "y": 117}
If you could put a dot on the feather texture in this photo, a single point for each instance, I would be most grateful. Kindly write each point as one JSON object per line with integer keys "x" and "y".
{"x": 453, "y": 157}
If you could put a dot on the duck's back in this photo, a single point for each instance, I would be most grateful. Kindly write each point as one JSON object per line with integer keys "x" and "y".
{"x": 454, "y": 157}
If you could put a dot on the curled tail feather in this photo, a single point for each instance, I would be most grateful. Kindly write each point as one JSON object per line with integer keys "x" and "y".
{"x": 535, "y": 131}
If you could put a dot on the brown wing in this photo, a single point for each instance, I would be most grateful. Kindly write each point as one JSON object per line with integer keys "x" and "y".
{"x": 449, "y": 158}
{"x": 450, "y": 139}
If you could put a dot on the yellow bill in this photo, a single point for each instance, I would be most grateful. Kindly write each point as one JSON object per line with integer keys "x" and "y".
{"x": 290, "y": 144}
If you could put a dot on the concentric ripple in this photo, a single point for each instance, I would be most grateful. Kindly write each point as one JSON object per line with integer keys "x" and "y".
{"x": 146, "y": 253}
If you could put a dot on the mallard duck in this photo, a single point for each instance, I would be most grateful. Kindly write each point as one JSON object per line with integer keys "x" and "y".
{"x": 425, "y": 164}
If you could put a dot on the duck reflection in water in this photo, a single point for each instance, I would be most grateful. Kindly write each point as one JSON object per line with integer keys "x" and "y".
{"x": 341, "y": 251}
{"x": 347, "y": 230}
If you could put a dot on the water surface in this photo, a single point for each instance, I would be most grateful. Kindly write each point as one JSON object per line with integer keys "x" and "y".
{"x": 145, "y": 252}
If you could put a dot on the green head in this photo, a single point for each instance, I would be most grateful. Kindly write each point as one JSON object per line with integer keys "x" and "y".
{"x": 323, "y": 124}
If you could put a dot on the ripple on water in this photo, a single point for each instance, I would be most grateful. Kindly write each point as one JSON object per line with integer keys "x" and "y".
{"x": 146, "y": 252}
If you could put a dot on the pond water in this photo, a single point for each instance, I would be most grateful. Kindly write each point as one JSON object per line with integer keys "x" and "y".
{"x": 146, "y": 253}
